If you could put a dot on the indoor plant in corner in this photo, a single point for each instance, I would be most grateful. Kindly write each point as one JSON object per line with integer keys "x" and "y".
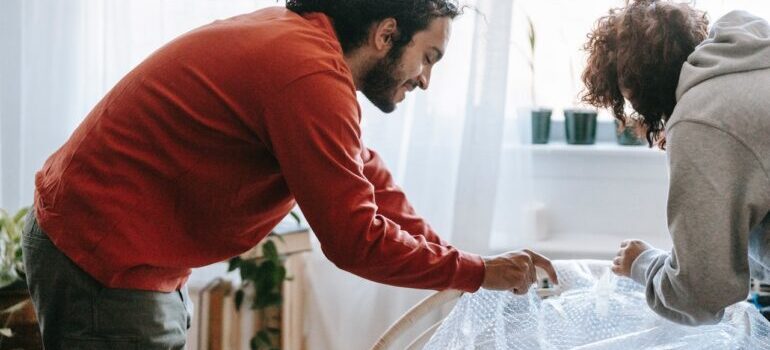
{"x": 262, "y": 280}
{"x": 18, "y": 325}
{"x": 11, "y": 263}
{"x": 579, "y": 123}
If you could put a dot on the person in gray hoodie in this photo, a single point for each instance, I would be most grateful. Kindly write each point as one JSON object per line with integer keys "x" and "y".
{"x": 704, "y": 97}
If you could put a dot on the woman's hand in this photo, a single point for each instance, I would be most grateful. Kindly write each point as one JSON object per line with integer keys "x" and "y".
{"x": 627, "y": 254}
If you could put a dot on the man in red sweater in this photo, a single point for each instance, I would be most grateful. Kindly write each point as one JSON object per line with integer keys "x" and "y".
{"x": 204, "y": 147}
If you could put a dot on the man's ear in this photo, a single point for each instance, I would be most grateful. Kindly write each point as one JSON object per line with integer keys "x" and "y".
{"x": 383, "y": 33}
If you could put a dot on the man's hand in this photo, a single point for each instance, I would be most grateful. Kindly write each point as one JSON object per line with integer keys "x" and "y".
{"x": 515, "y": 271}
{"x": 629, "y": 251}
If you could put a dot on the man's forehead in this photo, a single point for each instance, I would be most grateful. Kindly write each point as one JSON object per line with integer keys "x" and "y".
{"x": 436, "y": 34}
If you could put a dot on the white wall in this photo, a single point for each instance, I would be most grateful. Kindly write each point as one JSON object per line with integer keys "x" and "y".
{"x": 591, "y": 197}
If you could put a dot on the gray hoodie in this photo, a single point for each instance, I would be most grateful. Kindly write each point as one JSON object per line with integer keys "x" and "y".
{"x": 718, "y": 141}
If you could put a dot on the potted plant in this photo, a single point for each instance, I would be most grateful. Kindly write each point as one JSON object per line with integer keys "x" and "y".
{"x": 18, "y": 328}
{"x": 627, "y": 133}
{"x": 541, "y": 126}
{"x": 541, "y": 117}
{"x": 580, "y": 126}
{"x": 264, "y": 277}
{"x": 11, "y": 263}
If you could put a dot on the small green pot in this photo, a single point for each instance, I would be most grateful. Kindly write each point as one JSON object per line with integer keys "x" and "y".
{"x": 580, "y": 126}
{"x": 541, "y": 126}
{"x": 627, "y": 135}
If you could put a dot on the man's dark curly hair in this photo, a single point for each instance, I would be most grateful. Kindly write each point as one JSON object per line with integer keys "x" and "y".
{"x": 353, "y": 18}
{"x": 641, "y": 48}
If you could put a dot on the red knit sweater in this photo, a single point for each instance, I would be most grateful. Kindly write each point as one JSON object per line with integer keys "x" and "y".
{"x": 203, "y": 148}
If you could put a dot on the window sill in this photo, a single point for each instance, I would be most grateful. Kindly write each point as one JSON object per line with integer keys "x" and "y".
{"x": 575, "y": 245}
{"x": 599, "y": 148}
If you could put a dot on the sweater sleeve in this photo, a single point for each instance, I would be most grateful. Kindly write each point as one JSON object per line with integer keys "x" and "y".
{"x": 312, "y": 127}
{"x": 391, "y": 200}
{"x": 718, "y": 191}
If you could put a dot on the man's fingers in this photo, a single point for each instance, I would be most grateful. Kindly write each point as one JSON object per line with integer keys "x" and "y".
{"x": 520, "y": 290}
{"x": 545, "y": 264}
{"x": 624, "y": 243}
{"x": 532, "y": 274}
{"x": 616, "y": 270}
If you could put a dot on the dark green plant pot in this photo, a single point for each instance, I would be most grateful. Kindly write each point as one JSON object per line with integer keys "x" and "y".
{"x": 541, "y": 126}
{"x": 627, "y": 135}
{"x": 580, "y": 126}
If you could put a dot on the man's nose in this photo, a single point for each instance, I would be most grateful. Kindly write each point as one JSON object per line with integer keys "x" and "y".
{"x": 424, "y": 79}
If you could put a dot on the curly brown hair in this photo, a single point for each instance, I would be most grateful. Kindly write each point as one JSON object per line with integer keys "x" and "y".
{"x": 639, "y": 50}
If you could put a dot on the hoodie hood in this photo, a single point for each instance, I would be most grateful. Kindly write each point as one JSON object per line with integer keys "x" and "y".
{"x": 737, "y": 42}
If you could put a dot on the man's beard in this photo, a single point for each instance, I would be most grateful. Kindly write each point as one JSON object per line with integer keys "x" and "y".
{"x": 381, "y": 82}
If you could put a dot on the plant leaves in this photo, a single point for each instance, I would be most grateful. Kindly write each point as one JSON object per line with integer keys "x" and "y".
{"x": 296, "y": 217}
{"x": 11, "y": 259}
{"x": 234, "y": 263}
{"x": 257, "y": 344}
{"x": 266, "y": 275}
{"x": 261, "y": 340}
{"x": 267, "y": 267}
{"x": 20, "y": 215}
{"x": 272, "y": 299}
{"x": 532, "y": 35}
{"x": 267, "y": 300}
{"x": 270, "y": 252}
{"x": 239, "y": 294}
{"x": 279, "y": 275}
{"x": 248, "y": 269}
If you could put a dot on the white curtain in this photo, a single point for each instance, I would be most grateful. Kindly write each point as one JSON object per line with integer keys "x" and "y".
{"x": 61, "y": 56}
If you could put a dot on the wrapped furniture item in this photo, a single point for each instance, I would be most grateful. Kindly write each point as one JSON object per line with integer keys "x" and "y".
{"x": 592, "y": 309}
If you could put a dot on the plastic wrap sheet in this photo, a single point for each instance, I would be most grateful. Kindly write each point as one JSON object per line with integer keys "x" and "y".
{"x": 594, "y": 309}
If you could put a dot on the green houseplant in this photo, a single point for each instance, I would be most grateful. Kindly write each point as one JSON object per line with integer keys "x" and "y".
{"x": 264, "y": 276}
{"x": 580, "y": 126}
{"x": 11, "y": 263}
{"x": 541, "y": 117}
{"x": 18, "y": 324}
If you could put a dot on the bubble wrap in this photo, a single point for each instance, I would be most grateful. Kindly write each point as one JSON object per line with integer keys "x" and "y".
{"x": 593, "y": 310}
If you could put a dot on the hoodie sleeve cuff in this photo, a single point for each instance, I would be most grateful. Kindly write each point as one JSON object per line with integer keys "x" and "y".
{"x": 470, "y": 273}
{"x": 642, "y": 263}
